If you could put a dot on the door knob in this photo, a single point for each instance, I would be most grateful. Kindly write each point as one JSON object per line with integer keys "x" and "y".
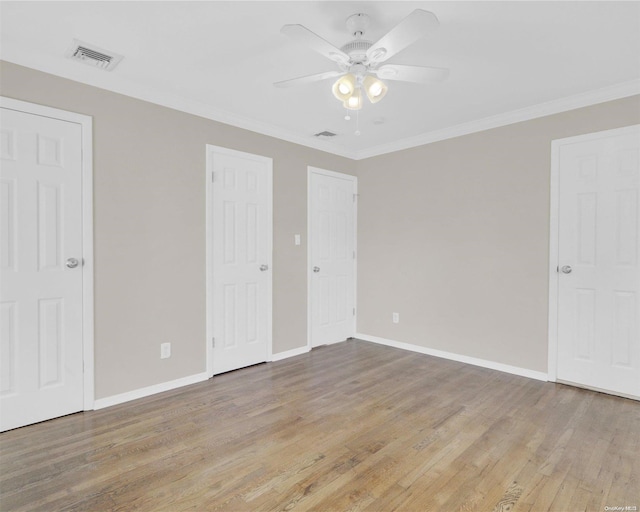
{"x": 72, "y": 263}
{"x": 316, "y": 269}
{"x": 566, "y": 269}
{"x": 264, "y": 267}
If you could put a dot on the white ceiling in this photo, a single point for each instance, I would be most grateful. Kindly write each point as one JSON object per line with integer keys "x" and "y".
{"x": 508, "y": 61}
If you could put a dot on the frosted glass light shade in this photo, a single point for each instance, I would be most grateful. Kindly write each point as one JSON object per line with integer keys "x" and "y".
{"x": 374, "y": 89}
{"x": 354, "y": 102}
{"x": 344, "y": 86}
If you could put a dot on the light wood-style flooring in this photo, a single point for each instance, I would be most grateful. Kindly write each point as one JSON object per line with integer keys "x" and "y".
{"x": 352, "y": 426}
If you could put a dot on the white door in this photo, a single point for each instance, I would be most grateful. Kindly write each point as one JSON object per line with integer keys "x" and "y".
{"x": 239, "y": 204}
{"x": 598, "y": 274}
{"x": 332, "y": 206}
{"x": 41, "y": 266}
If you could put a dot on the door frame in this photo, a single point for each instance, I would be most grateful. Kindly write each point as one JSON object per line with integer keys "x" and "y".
{"x": 211, "y": 150}
{"x": 86, "y": 127}
{"x": 354, "y": 179}
{"x": 554, "y": 242}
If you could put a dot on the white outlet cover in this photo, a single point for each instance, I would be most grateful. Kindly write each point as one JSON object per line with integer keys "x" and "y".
{"x": 396, "y": 318}
{"x": 165, "y": 350}
{"x": 296, "y": 239}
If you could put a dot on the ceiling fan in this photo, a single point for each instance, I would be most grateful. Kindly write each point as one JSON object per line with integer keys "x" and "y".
{"x": 361, "y": 62}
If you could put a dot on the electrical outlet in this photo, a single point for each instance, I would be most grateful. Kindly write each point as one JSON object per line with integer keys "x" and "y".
{"x": 165, "y": 350}
{"x": 395, "y": 318}
{"x": 296, "y": 239}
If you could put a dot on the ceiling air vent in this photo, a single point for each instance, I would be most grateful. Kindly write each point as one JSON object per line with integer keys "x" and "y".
{"x": 92, "y": 55}
{"x": 324, "y": 134}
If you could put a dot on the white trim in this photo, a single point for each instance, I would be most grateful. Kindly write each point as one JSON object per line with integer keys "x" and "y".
{"x": 194, "y": 107}
{"x": 554, "y": 205}
{"x": 86, "y": 124}
{"x": 289, "y": 353}
{"x": 208, "y": 187}
{"x": 354, "y": 180}
{"x": 554, "y": 228}
{"x": 101, "y": 403}
{"x": 585, "y": 99}
{"x": 492, "y": 365}
{"x": 210, "y": 151}
{"x": 309, "y": 262}
{"x": 613, "y": 92}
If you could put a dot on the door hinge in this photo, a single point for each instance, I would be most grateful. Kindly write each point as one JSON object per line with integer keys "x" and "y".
{"x": 213, "y": 177}
{"x": 354, "y": 197}
{"x": 354, "y": 311}
{"x": 213, "y": 342}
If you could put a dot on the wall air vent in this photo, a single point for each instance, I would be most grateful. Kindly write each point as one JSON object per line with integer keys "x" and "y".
{"x": 324, "y": 134}
{"x": 92, "y": 55}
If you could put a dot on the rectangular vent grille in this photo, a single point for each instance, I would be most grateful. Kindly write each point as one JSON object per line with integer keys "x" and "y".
{"x": 325, "y": 134}
{"x": 92, "y": 55}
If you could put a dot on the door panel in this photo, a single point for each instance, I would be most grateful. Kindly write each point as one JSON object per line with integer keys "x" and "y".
{"x": 598, "y": 309}
{"x": 332, "y": 254}
{"x": 41, "y": 298}
{"x": 240, "y": 305}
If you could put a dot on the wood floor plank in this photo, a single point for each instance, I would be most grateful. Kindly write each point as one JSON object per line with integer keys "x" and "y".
{"x": 352, "y": 426}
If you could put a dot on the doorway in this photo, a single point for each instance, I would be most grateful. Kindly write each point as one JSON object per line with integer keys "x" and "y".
{"x": 332, "y": 207}
{"x": 46, "y": 262}
{"x": 239, "y": 259}
{"x": 594, "y": 311}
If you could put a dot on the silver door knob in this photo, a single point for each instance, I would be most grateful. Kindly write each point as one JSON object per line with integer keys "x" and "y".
{"x": 264, "y": 267}
{"x": 316, "y": 269}
{"x": 566, "y": 269}
{"x": 72, "y": 263}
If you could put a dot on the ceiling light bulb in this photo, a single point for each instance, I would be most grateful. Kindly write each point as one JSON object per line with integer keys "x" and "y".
{"x": 343, "y": 87}
{"x": 354, "y": 102}
{"x": 374, "y": 88}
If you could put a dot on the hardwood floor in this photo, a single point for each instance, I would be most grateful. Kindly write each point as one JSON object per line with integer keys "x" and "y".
{"x": 352, "y": 426}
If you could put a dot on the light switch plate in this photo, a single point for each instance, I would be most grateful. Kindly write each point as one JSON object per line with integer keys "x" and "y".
{"x": 165, "y": 350}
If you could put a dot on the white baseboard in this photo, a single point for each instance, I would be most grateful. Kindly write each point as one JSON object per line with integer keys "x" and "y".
{"x": 289, "y": 353}
{"x": 101, "y": 403}
{"x": 492, "y": 365}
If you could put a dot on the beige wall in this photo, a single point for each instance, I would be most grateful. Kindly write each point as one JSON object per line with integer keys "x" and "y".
{"x": 149, "y": 230}
{"x": 454, "y": 236}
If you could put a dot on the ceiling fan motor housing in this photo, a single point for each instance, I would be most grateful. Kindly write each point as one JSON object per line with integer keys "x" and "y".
{"x": 357, "y": 50}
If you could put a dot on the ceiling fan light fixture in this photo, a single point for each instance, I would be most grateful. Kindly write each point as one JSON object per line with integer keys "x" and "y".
{"x": 354, "y": 102}
{"x": 344, "y": 87}
{"x": 375, "y": 89}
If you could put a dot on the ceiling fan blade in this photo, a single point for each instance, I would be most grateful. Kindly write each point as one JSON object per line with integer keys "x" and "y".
{"x": 408, "y": 31}
{"x": 417, "y": 74}
{"x": 308, "y": 79}
{"x": 315, "y": 42}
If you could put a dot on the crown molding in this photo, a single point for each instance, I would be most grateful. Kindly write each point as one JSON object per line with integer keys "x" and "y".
{"x": 614, "y": 92}
{"x": 200, "y": 109}
{"x": 175, "y": 102}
